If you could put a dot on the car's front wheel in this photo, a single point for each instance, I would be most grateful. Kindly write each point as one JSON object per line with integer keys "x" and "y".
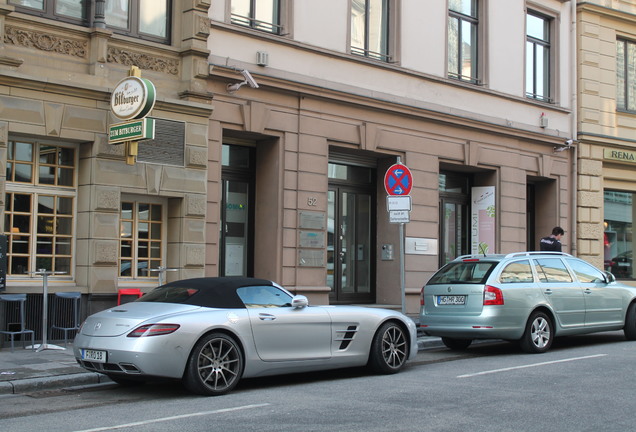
{"x": 389, "y": 349}
{"x": 538, "y": 335}
{"x": 456, "y": 344}
{"x": 215, "y": 365}
{"x": 630, "y": 323}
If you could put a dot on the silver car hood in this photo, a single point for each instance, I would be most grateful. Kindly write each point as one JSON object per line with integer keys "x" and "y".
{"x": 122, "y": 319}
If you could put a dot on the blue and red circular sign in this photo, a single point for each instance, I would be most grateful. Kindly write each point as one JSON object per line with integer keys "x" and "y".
{"x": 398, "y": 180}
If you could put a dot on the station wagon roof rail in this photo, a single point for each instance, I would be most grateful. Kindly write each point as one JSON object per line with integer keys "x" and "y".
{"x": 511, "y": 255}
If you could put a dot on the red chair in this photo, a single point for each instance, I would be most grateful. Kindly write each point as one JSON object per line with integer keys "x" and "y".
{"x": 128, "y": 291}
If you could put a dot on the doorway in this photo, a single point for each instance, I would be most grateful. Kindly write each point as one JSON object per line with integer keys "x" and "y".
{"x": 351, "y": 234}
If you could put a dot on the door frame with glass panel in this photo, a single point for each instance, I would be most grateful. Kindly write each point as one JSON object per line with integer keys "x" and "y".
{"x": 351, "y": 240}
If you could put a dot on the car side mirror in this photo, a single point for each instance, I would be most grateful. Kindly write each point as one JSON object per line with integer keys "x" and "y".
{"x": 299, "y": 301}
{"x": 609, "y": 278}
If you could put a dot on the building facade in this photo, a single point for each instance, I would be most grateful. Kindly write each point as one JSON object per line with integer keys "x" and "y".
{"x": 93, "y": 214}
{"x": 477, "y": 103}
{"x": 606, "y": 122}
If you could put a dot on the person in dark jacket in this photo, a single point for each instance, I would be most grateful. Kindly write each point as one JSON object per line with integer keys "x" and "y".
{"x": 552, "y": 243}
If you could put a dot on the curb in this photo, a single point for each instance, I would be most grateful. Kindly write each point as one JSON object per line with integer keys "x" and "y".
{"x": 29, "y": 385}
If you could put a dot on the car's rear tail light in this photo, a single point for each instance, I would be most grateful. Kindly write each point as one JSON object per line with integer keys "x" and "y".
{"x": 493, "y": 296}
{"x": 153, "y": 330}
{"x": 422, "y": 297}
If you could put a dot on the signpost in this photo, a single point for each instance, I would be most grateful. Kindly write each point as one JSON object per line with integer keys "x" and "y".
{"x": 398, "y": 182}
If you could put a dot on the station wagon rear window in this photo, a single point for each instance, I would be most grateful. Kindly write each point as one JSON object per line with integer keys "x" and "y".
{"x": 465, "y": 272}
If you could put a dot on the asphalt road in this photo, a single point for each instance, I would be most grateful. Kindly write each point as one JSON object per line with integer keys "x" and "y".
{"x": 584, "y": 383}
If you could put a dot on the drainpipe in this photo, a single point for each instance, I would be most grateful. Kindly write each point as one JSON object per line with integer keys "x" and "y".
{"x": 574, "y": 127}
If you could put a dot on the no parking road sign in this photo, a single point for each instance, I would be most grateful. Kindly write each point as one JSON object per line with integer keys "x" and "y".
{"x": 398, "y": 180}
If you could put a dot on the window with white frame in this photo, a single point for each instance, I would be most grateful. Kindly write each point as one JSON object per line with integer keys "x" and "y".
{"x": 39, "y": 206}
{"x": 538, "y": 57}
{"x": 263, "y": 15}
{"x": 463, "y": 39}
{"x": 625, "y": 75}
{"x": 141, "y": 238}
{"x": 370, "y": 29}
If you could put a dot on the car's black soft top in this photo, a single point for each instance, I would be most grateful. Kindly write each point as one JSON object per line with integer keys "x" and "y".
{"x": 213, "y": 292}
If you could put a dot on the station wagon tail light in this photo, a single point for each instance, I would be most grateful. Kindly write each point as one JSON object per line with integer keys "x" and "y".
{"x": 153, "y": 330}
{"x": 422, "y": 297}
{"x": 493, "y": 296}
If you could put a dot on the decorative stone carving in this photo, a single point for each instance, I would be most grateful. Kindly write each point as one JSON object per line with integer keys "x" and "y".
{"x": 45, "y": 42}
{"x": 143, "y": 61}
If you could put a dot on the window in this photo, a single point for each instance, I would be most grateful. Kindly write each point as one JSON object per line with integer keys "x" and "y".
{"x": 517, "y": 272}
{"x": 141, "y": 239}
{"x": 261, "y": 15}
{"x": 586, "y": 273}
{"x": 626, "y": 75}
{"x": 370, "y": 29}
{"x": 463, "y": 26}
{"x": 552, "y": 270}
{"x": 263, "y": 297}
{"x": 144, "y": 19}
{"x": 39, "y": 207}
{"x": 538, "y": 57}
{"x": 618, "y": 239}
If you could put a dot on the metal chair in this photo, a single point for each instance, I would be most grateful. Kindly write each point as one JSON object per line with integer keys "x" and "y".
{"x": 128, "y": 291}
{"x": 21, "y": 298}
{"x": 66, "y": 325}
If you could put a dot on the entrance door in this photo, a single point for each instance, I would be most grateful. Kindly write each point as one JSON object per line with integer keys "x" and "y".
{"x": 236, "y": 239}
{"x": 350, "y": 245}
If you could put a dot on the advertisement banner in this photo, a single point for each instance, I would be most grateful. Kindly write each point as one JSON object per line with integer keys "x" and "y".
{"x": 482, "y": 220}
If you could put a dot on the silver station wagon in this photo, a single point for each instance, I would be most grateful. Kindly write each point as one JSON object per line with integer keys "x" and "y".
{"x": 529, "y": 297}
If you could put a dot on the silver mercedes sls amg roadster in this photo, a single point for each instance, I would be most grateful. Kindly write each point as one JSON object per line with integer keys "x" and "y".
{"x": 211, "y": 332}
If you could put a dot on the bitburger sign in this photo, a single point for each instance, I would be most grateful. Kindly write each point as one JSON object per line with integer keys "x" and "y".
{"x": 133, "y": 98}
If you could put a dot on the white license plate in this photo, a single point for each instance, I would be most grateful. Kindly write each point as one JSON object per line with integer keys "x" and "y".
{"x": 451, "y": 300}
{"x": 94, "y": 356}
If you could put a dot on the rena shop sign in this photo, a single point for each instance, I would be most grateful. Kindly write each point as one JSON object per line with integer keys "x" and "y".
{"x": 133, "y": 98}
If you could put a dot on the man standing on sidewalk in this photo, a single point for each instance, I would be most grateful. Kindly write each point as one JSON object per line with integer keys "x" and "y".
{"x": 552, "y": 242}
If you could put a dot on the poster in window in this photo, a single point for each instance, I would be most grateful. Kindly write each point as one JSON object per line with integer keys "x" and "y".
{"x": 482, "y": 221}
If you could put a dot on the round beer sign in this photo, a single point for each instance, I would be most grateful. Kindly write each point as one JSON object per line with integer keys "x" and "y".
{"x": 133, "y": 98}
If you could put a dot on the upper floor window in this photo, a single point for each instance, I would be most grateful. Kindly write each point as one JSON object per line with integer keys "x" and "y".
{"x": 261, "y": 15}
{"x": 143, "y": 19}
{"x": 538, "y": 47}
{"x": 626, "y": 75}
{"x": 370, "y": 29}
{"x": 463, "y": 27}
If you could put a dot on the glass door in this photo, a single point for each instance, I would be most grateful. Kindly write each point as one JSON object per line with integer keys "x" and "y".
{"x": 236, "y": 221}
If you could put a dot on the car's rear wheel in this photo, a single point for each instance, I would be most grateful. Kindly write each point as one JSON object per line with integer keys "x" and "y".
{"x": 215, "y": 365}
{"x": 456, "y": 344}
{"x": 538, "y": 335}
{"x": 389, "y": 349}
{"x": 630, "y": 323}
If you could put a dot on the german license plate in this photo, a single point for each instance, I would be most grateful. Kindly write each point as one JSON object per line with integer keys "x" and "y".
{"x": 93, "y": 355}
{"x": 451, "y": 300}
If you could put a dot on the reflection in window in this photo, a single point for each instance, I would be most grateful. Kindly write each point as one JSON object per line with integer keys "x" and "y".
{"x": 261, "y": 15}
{"x": 140, "y": 239}
{"x": 517, "y": 272}
{"x": 618, "y": 240}
{"x": 263, "y": 297}
{"x": 537, "y": 57}
{"x": 370, "y": 28}
{"x": 585, "y": 273}
{"x": 625, "y": 75}
{"x": 463, "y": 22}
{"x": 552, "y": 270}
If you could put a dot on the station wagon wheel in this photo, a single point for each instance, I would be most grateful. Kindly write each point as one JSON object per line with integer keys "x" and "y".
{"x": 215, "y": 365}
{"x": 630, "y": 323}
{"x": 456, "y": 344}
{"x": 539, "y": 334}
{"x": 389, "y": 349}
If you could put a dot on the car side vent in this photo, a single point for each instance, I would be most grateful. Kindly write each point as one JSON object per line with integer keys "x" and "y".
{"x": 347, "y": 336}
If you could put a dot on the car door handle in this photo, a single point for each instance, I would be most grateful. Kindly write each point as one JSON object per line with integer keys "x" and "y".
{"x": 548, "y": 291}
{"x": 588, "y": 291}
{"x": 266, "y": 317}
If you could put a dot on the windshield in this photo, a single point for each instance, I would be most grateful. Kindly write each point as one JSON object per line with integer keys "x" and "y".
{"x": 465, "y": 272}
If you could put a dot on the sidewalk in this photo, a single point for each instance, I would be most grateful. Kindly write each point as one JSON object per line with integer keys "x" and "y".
{"x": 27, "y": 371}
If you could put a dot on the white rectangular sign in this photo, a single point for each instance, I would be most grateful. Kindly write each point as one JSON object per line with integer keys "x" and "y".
{"x": 395, "y": 203}
{"x": 399, "y": 216}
